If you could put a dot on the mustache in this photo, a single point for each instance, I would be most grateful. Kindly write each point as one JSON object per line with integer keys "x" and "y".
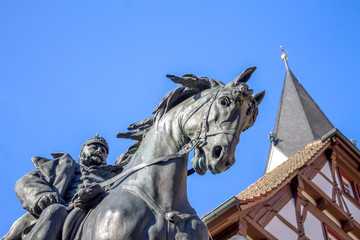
{"x": 91, "y": 159}
{"x": 98, "y": 156}
{"x": 95, "y": 154}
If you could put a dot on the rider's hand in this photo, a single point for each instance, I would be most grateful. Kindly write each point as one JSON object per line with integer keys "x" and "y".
{"x": 48, "y": 199}
{"x": 85, "y": 196}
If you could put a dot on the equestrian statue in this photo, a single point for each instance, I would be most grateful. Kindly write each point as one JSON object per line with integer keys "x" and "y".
{"x": 147, "y": 197}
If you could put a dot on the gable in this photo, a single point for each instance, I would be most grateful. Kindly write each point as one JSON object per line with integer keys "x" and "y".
{"x": 304, "y": 196}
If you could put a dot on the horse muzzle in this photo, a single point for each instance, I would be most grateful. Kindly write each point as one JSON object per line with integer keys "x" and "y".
{"x": 215, "y": 159}
{"x": 219, "y": 161}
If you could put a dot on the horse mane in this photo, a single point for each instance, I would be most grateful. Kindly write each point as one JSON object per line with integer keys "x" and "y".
{"x": 191, "y": 85}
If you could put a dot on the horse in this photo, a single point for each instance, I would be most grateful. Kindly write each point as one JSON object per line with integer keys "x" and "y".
{"x": 151, "y": 201}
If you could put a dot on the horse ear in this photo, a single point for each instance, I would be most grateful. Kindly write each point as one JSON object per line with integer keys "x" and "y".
{"x": 243, "y": 77}
{"x": 259, "y": 97}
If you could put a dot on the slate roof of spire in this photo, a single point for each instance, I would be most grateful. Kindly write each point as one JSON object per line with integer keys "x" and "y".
{"x": 299, "y": 120}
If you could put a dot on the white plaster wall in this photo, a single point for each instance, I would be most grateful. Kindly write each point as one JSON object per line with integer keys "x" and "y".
{"x": 323, "y": 184}
{"x": 275, "y": 159}
{"x": 280, "y": 230}
{"x": 326, "y": 170}
{"x": 288, "y": 212}
{"x": 354, "y": 210}
{"x": 313, "y": 227}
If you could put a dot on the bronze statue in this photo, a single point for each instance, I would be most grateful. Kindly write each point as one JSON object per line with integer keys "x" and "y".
{"x": 148, "y": 199}
{"x": 59, "y": 185}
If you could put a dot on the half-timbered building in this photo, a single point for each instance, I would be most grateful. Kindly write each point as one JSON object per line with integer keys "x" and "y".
{"x": 311, "y": 187}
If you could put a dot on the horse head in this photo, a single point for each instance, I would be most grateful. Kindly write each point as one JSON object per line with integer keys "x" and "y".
{"x": 213, "y": 117}
{"x": 222, "y": 114}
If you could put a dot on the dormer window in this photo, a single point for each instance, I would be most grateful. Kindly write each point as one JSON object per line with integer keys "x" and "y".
{"x": 331, "y": 234}
{"x": 350, "y": 187}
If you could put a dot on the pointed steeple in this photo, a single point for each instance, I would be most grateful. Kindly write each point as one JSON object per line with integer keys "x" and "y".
{"x": 299, "y": 121}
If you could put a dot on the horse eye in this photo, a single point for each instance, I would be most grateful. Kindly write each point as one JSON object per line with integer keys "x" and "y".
{"x": 225, "y": 101}
{"x": 250, "y": 110}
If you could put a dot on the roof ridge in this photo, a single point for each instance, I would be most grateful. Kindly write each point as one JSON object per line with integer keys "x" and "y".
{"x": 298, "y": 85}
{"x": 278, "y": 114}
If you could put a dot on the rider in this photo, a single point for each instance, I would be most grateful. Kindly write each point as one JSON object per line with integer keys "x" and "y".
{"x": 59, "y": 185}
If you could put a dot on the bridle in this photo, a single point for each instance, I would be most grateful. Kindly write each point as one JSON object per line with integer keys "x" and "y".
{"x": 202, "y": 132}
{"x": 200, "y": 138}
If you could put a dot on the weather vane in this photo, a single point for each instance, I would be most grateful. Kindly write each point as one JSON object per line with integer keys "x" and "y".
{"x": 284, "y": 56}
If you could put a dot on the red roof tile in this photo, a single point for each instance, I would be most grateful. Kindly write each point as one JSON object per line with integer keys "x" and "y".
{"x": 271, "y": 180}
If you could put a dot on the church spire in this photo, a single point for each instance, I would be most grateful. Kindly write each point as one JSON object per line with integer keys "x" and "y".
{"x": 299, "y": 121}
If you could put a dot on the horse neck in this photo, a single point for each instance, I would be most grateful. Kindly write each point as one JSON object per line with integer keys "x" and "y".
{"x": 163, "y": 182}
{"x": 164, "y": 138}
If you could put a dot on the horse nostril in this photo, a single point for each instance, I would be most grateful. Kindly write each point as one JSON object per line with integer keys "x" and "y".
{"x": 217, "y": 151}
{"x": 230, "y": 162}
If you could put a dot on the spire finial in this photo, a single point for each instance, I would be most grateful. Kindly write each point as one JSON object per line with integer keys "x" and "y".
{"x": 284, "y": 57}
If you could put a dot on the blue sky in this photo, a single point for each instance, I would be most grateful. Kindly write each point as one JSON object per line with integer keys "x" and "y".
{"x": 70, "y": 69}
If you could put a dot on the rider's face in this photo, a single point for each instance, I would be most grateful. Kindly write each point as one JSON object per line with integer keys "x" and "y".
{"x": 93, "y": 154}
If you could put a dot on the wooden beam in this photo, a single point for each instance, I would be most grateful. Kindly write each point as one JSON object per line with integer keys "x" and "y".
{"x": 223, "y": 221}
{"x": 351, "y": 162}
{"x": 242, "y": 227}
{"x": 350, "y": 152}
{"x": 227, "y": 233}
{"x": 260, "y": 230}
{"x": 322, "y": 204}
{"x": 347, "y": 226}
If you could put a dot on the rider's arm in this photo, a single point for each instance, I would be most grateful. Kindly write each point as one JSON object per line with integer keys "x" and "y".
{"x": 30, "y": 189}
